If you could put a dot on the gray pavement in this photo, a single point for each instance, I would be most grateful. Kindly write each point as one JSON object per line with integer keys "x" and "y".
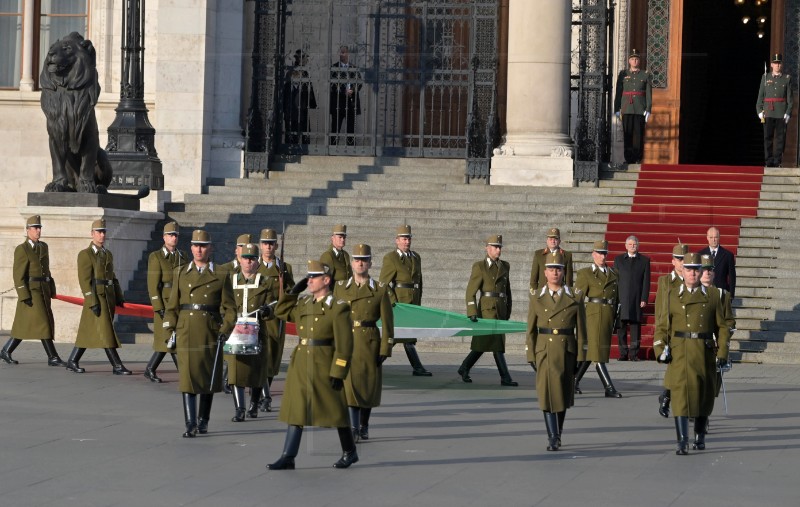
{"x": 101, "y": 440}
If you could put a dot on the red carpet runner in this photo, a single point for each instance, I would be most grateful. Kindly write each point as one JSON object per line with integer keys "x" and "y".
{"x": 680, "y": 202}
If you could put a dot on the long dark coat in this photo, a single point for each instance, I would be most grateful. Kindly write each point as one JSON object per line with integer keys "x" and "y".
{"x": 276, "y": 329}
{"x": 599, "y": 316}
{"x": 406, "y": 270}
{"x": 33, "y": 322}
{"x": 160, "y": 268}
{"x": 99, "y": 286}
{"x": 555, "y": 355}
{"x": 634, "y": 285}
{"x": 724, "y": 269}
{"x": 368, "y": 303}
{"x": 489, "y": 279}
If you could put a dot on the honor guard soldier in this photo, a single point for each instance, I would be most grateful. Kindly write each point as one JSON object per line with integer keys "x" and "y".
{"x": 556, "y": 339}
{"x": 101, "y": 295}
{"x": 633, "y": 102}
{"x": 160, "y": 267}
{"x": 336, "y": 257}
{"x": 667, "y": 283}
{"x": 402, "y": 272}
{"x": 369, "y": 302}
{"x": 687, "y": 323}
{"x": 201, "y": 311}
{"x": 280, "y": 279}
{"x": 599, "y": 285}
{"x": 707, "y": 279}
{"x": 251, "y": 292}
{"x": 774, "y": 108}
{"x": 537, "y": 268}
{"x": 489, "y": 297}
{"x": 235, "y": 264}
{"x": 314, "y": 395}
{"x": 33, "y": 319}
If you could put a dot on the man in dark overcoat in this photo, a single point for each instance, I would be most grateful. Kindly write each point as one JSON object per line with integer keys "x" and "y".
{"x": 724, "y": 262}
{"x": 633, "y": 269}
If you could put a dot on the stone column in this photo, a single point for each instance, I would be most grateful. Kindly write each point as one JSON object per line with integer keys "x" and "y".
{"x": 26, "y": 79}
{"x": 537, "y": 150}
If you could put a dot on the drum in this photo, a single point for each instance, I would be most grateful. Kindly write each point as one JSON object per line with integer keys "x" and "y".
{"x": 244, "y": 338}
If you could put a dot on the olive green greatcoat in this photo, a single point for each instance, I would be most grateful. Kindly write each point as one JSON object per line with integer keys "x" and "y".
{"x": 555, "y": 355}
{"x": 160, "y": 266}
{"x": 33, "y": 322}
{"x": 486, "y": 278}
{"x": 197, "y": 330}
{"x": 406, "y": 269}
{"x": 691, "y": 375}
{"x": 338, "y": 262}
{"x": 639, "y": 83}
{"x": 98, "y": 332}
{"x": 775, "y": 87}
{"x": 537, "y": 268}
{"x": 250, "y": 370}
{"x": 599, "y": 316}
{"x": 276, "y": 329}
{"x": 368, "y": 303}
{"x": 666, "y": 283}
{"x": 308, "y": 398}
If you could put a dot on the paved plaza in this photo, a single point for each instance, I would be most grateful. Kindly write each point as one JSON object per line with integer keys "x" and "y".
{"x": 101, "y": 440}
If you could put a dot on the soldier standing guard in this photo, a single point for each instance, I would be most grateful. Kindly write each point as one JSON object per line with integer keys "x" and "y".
{"x": 774, "y": 108}
{"x": 102, "y": 294}
{"x": 314, "y": 395}
{"x": 553, "y": 246}
{"x": 633, "y": 101}
{"x": 402, "y": 272}
{"x": 160, "y": 267}
{"x": 369, "y": 302}
{"x": 201, "y": 310}
{"x": 689, "y": 318}
{"x": 556, "y": 339}
{"x": 280, "y": 279}
{"x": 599, "y": 284}
{"x": 489, "y": 297}
{"x": 335, "y": 257}
{"x": 33, "y": 319}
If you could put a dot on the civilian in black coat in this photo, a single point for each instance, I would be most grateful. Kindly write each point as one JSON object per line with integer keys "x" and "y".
{"x": 724, "y": 262}
{"x": 345, "y": 103}
{"x": 634, "y": 289}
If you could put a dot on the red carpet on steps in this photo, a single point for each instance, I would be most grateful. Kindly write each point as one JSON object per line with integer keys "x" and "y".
{"x": 675, "y": 203}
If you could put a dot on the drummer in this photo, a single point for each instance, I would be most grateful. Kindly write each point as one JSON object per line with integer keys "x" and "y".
{"x": 247, "y": 364}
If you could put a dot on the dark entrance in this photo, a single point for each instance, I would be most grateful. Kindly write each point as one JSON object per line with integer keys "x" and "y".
{"x": 723, "y": 60}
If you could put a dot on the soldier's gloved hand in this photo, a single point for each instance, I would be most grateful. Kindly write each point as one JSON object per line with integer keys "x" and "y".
{"x": 96, "y": 310}
{"x": 761, "y": 116}
{"x": 160, "y": 313}
{"x": 381, "y": 359}
{"x": 786, "y": 118}
{"x": 646, "y": 116}
{"x": 533, "y": 365}
{"x": 222, "y": 337}
{"x": 473, "y": 318}
{"x": 266, "y": 311}
{"x": 337, "y": 384}
{"x": 27, "y": 302}
{"x": 299, "y": 286}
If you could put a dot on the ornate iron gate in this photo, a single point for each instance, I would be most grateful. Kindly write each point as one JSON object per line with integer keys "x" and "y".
{"x": 406, "y": 78}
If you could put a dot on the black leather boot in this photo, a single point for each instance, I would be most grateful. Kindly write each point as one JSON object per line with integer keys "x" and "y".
{"x": 682, "y": 431}
{"x": 266, "y": 397}
{"x": 467, "y": 365}
{"x": 663, "y": 403}
{"x": 700, "y": 429}
{"x": 255, "y": 400}
{"x": 117, "y": 368}
{"x": 174, "y": 359}
{"x": 349, "y": 454}
{"x": 579, "y": 373}
{"x": 551, "y": 422}
{"x": 605, "y": 378}
{"x": 52, "y": 354}
{"x": 502, "y": 368}
{"x": 355, "y": 421}
{"x": 238, "y": 402}
{"x": 74, "y": 357}
{"x": 150, "y": 370}
{"x": 225, "y": 387}
{"x": 561, "y": 416}
{"x": 364, "y": 431}
{"x": 8, "y": 348}
{"x": 204, "y": 413}
{"x": 416, "y": 364}
{"x": 290, "y": 448}
{"x": 190, "y": 414}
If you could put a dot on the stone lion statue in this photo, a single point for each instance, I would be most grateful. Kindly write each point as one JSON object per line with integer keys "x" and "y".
{"x": 69, "y": 93}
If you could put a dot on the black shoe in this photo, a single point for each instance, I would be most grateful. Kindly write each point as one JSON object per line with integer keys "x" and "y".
{"x": 121, "y": 370}
{"x": 622, "y": 358}
{"x": 634, "y": 358}
{"x": 266, "y": 405}
{"x": 226, "y": 388}
{"x": 418, "y": 372}
{"x": 508, "y": 383}
{"x": 464, "y": 375}
{"x": 55, "y": 361}
{"x": 356, "y": 434}
{"x": 238, "y": 416}
{"x": 283, "y": 463}
{"x": 202, "y": 426}
{"x": 5, "y": 356}
{"x": 363, "y": 433}
{"x": 611, "y": 392}
{"x": 699, "y": 442}
{"x": 578, "y": 389}
{"x": 151, "y": 374}
{"x": 190, "y": 432}
{"x": 347, "y": 459}
{"x": 73, "y": 366}
{"x": 253, "y": 412}
{"x": 663, "y": 408}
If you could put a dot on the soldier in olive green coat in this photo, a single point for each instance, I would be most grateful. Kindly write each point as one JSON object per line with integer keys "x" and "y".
{"x": 160, "y": 267}
{"x": 336, "y": 257}
{"x": 313, "y": 395}
{"x": 489, "y": 297}
{"x": 369, "y": 302}
{"x": 687, "y": 324}
{"x": 201, "y": 311}
{"x": 774, "y": 108}
{"x": 33, "y": 319}
{"x": 101, "y": 295}
{"x": 538, "y": 265}
{"x": 556, "y": 339}
{"x": 599, "y": 285}
{"x": 633, "y": 102}
{"x": 401, "y": 271}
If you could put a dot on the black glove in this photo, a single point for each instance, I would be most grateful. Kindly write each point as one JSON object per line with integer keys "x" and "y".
{"x": 533, "y": 365}
{"x": 27, "y": 302}
{"x": 160, "y": 313}
{"x": 96, "y": 310}
{"x": 381, "y": 359}
{"x": 222, "y": 337}
{"x": 299, "y": 286}
{"x": 473, "y": 318}
{"x": 337, "y": 384}
{"x": 121, "y": 303}
{"x": 266, "y": 311}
